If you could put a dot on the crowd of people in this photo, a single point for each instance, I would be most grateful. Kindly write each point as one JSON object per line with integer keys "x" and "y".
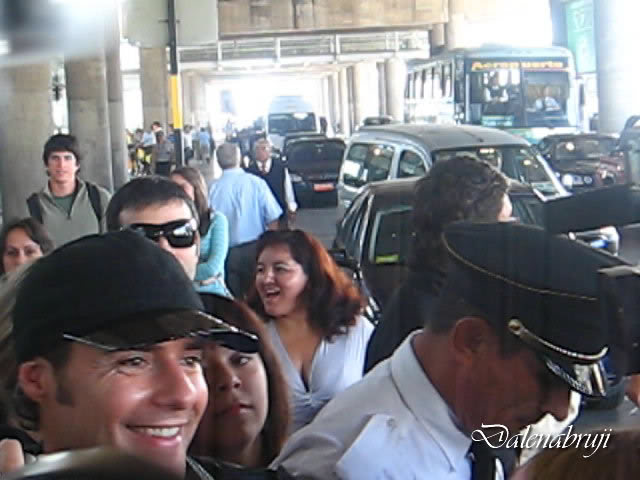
{"x": 199, "y": 331}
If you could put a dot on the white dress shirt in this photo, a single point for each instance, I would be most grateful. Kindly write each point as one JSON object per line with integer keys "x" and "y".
{"x": 391, "y": 425}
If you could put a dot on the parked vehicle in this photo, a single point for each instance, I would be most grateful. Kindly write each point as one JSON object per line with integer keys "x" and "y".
{"x": 401, "y": 151}
{"x": 627, "y": 151}
{"x": 290, "y": 114}
{"x": 314, "y": 165}
{"x": 374, "y": 237}
{"x": 582, "y": 161}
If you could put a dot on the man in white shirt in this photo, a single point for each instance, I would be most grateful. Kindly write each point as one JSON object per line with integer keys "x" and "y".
{"x": 274, "y": 172}
{"x": 499, "y": 350}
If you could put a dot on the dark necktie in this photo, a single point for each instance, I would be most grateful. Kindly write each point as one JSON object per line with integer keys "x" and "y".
{"x": 483, "y": 463}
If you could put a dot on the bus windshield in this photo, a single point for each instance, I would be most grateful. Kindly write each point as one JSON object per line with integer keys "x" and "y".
{"x": 511, "y": 97}
{"x": 520, "y": 163}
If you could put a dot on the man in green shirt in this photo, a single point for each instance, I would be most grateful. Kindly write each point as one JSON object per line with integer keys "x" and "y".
{"x": 68, "y": 207}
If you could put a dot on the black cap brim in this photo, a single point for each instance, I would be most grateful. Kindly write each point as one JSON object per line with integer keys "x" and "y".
{"x": 587, "y": 379}
{"x": 153, "y": 328}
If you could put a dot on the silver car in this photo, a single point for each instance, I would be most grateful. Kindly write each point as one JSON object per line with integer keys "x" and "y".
{"x": 408, "y": 150}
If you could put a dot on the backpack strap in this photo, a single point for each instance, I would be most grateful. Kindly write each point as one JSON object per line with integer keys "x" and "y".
{"x": 35, "y": 209}
{"x": 96, "y": 201}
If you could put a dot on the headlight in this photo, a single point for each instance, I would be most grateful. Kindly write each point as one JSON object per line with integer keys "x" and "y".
{"x": 587, "y": 180}
{"x": 296, "y": 178}
{"x": 567, "y": 180}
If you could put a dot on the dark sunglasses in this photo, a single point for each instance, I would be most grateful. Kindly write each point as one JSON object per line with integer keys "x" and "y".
{"x": 179, "y": 233}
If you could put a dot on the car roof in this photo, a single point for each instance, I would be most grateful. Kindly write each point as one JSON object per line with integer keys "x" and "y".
{"x": 443, "y": 137}
{"x": 385, "y": 189}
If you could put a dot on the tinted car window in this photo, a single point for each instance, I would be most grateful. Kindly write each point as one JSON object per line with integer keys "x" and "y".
{"x": 391, "y": 236}
{"x": 352, "y": 237}
{"x": 366, "y": 163}
{"x": 410, "y": 165}
{"x": 516, "y": 162}
{"x": 583, "y": 148}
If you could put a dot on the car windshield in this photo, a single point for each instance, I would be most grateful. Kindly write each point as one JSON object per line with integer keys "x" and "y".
{"x": 583, "y": 149}
{"x": 283, "y": 123}
{"x": 520, "y": 163}
{"x": 366, "y": 163}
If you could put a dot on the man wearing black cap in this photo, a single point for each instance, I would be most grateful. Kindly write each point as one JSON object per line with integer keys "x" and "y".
{"x": 516, "y": 327}
{"x": 108, "y": 335}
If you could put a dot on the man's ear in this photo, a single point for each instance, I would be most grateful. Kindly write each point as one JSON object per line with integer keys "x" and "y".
{"x": 470, "y": 337}
{"x": 35, "y": 378}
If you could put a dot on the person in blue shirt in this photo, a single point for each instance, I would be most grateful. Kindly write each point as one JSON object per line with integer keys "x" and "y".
{"x": 204, "y": 139}
{"x": 251, "y": 209}
{"x": 214, "y": 233}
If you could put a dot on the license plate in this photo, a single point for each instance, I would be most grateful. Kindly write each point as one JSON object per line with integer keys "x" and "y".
{"x": 323, "y": 187}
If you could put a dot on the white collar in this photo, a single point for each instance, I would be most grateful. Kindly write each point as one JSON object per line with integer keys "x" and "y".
{"x": 424, "y": 401}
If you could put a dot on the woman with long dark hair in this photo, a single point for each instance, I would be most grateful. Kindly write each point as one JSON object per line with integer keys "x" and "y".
{"x": 214, "y": 233}
{"x": 313, "y": 315}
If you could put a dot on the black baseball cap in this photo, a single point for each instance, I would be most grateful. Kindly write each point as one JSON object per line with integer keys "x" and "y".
{"x": 114, "y": 291}
{"x": 544, "y": 287}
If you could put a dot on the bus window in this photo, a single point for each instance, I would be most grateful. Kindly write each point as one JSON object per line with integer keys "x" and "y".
{"x": 428, "y": 83}
{"x": 546, "y": 96}
{"x": 496, "y": 97}
{"x": 423, "y": 76}
{"x": 448, "y": 93}
{"x": 437, "y": 82}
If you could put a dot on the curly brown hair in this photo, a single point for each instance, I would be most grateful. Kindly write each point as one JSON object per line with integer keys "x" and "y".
{"x": 276, "y": 427}
{"x": 332, "y": 301}
{"x": 461, "y": 188}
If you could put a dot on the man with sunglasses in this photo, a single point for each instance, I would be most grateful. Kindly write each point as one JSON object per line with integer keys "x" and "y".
{"x": 160, "y": 210}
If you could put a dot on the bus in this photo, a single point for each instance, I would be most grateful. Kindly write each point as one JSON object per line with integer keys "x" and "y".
{"x": 531, "y": 92}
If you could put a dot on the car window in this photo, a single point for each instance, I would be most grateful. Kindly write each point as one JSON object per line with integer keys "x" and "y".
{"x": 411, "y": 165}
{"x": 346, "y": 224}
{"x": 391, "y": 236}
{"x": 520, "y": 163}
{"x": 583, "y": 148}
{"x": 352, "y": 237}
{"x": 366, "y": 163}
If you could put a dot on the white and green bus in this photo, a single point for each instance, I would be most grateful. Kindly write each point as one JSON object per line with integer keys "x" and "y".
{"x": 531, "y": 92}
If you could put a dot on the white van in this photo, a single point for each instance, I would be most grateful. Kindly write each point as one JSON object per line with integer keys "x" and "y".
{"x": 290, "y": 114}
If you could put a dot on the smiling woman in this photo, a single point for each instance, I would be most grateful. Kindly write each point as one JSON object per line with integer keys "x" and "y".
{"x": 312, "y": 310}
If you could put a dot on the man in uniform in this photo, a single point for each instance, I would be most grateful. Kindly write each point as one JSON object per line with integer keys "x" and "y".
{"x": 110, "y": 353}
{"x": 276, "y": 174}
{"x": 516, "y": 327}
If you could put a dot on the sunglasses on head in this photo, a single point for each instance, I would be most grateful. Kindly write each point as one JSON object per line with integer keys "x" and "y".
{"x": 179, "y": 233}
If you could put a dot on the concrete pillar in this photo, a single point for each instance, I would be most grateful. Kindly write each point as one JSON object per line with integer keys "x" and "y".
{"x": 154, "y": 82}
{"x": 25, "y": 104}
{"x": 395, "y": 76}
{"x": 382, "y": 93}
{"x": 343, "y": 90}
{"x": 89, "y": 117}
{"x": 618, "y": 74}
{"x": 324, "y": 84}
{"x": 455, "y": 29}
{"x": 199, "y": 99}
{"x": 119, "y": 150}
{"x": 334, "y": 100}
{"x": 365, "y": 91}
{"x": 437, "y": 39}
{"x": 187, "y": 107}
